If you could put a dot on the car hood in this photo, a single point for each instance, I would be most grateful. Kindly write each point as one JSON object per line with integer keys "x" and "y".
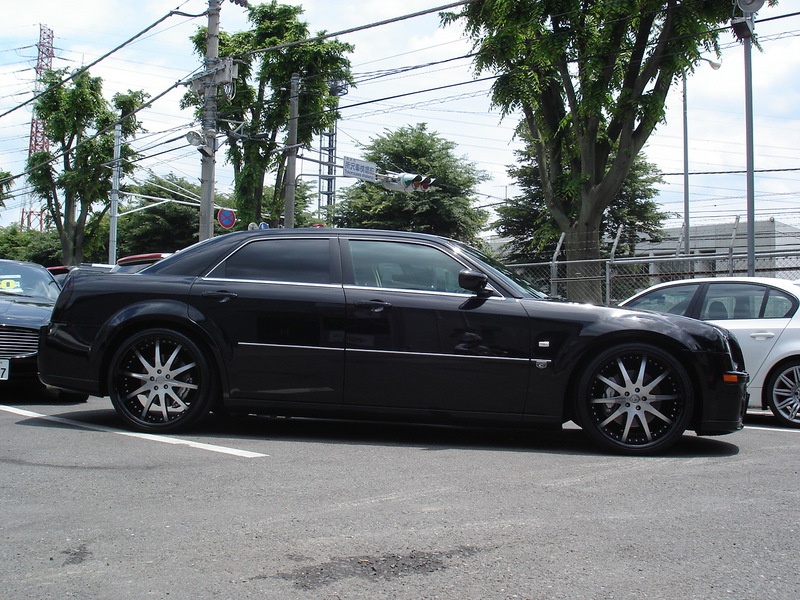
{"x": 24, "y": 311}
{"x": 600, "y": 320}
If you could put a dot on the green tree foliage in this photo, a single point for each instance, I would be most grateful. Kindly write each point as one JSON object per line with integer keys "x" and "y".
{"x": 257, "y": 114}
{"x": 30, "y": 245}
{"x": 5, "y": 186}
{"x": 74, "y": 179}
{"x": 590, "y": 79}
{"x": 163, "y": 216}
{"x": 159, "y": 220}
{"x": 534, "y": 232}
{"x": 446, "y": 209}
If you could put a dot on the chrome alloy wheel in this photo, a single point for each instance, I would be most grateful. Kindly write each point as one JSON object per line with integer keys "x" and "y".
{"x": 783, "y": 388}
{"x": 635, "y": 398}
{"x": 160, "y": 381}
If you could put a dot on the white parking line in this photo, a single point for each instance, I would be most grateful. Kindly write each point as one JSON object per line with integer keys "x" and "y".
{"x": 777, "y": 428}
{"x": 145, "y": 436}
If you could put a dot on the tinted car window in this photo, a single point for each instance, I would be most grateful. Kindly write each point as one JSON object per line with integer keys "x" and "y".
{"x": 674, "y": 300}
{"x": 745, "y": 301}
{"x": 404, "y": 266}
{"x": 286, "y": 260}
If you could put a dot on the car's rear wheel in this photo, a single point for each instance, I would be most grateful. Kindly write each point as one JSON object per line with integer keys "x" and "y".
{"x": 160, "y": 380}
{"x": 783, "y": 393}
{"x": 635, "y": 399}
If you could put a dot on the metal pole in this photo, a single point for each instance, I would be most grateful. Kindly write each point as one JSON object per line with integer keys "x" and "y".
{"x": 291, "y": 158}
{"x": 113, "y": 216}
{"x": 686, "y": 240}
{"x": 209, "y": 132}
{"x": 751, "y": 219}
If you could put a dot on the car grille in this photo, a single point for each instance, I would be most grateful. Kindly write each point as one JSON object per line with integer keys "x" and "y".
{"x": 17, "y": 342}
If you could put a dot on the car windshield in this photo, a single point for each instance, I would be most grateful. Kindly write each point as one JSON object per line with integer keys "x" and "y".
{"x": 23, "y": 280}
{"x": 503, "y": 273}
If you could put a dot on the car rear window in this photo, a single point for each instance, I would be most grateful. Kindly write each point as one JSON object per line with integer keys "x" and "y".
{"x": 283, "y": 260}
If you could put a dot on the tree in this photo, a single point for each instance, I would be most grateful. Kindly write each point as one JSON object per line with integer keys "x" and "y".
{"x": 79, "y": 123}
{"x": 591, "y": 80}
{"x": 534, "y": 232}
{"x": 29, "y": 245}
{"x": 256, "y": 116}
{"x": 5, "y": 186}
{"x": 446, "y": 209}
{"x": 156, "y": 225}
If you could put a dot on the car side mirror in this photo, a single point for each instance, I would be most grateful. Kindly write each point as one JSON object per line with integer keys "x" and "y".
{"x": 474, "y": 281}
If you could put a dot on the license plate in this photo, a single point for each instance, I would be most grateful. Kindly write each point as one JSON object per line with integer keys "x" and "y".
{"x": 4, "y": 369}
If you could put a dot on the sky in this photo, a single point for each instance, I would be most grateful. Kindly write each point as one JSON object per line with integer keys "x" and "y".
{"x": 85, "y": 30}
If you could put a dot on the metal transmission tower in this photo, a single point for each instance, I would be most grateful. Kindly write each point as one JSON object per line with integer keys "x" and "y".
{"x": 38, "y": 141}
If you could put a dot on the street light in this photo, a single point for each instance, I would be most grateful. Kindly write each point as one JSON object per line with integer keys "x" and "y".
{"x": 199, "y": 142}
{"x": 686, "y": 240}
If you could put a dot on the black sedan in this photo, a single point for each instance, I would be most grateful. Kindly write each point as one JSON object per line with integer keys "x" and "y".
{"x": 27, "y": 295}
{"x": 339, "y": 323}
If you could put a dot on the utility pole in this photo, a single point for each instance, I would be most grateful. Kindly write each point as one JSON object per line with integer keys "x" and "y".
{"x": 209, "y": 123}
{"x": 291, "y": 159}
{"x": 216, "y": 72}
{"x": 744, "y": 29}
{"x": 114, "y": 216}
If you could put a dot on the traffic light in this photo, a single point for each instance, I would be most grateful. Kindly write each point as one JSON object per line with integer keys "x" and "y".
{"x": 407, "y": 182}
{"x": 424, "y": 184}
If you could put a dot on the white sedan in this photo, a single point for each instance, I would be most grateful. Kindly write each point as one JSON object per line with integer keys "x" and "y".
{"x": 762, "y": 313}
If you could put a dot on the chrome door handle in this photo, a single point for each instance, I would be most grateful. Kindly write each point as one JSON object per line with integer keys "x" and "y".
{"x": 373, "y": 305}
{"x": 220, "y": 295}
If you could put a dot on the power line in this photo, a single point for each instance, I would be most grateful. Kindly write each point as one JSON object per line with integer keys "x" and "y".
{"x": 102, "y": 58}
{"x": 326, "y": 36}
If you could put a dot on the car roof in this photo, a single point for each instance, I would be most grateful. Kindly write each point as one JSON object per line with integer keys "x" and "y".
{"x": 787, "y": 285}
{"x": 195, "y": 261}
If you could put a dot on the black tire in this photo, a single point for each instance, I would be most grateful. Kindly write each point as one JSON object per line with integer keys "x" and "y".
{"x": 634, "y": 399}
{"x": 783, "y": 393}
{"x": 160, "y": 381}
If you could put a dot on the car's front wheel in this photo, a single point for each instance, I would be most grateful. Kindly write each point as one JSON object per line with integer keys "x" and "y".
{"x": 634, "y": 398}
{"x": 783, "y": 393}
{"x": 160, "y": 380}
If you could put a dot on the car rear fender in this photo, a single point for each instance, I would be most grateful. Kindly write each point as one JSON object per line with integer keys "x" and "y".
{"x": 170, "y": 314}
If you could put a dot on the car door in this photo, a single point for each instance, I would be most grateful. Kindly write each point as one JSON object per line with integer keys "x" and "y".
{"x": 279, "y": 304}
{"x": 756, "y": 314}
{"x": 417, "y": 340}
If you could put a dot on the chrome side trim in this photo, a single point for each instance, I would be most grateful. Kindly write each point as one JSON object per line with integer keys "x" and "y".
{"x": 425, "y": 292}
{"x": 439, "y": 355}
{"x": 387, "y": 352}
{"x": 293, "y": 347}
{"x": 337, "y": 286}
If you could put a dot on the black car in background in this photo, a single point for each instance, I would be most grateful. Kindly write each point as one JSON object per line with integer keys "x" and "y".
{"x": 27, "y": 295}
{"x": 379, "y": 325}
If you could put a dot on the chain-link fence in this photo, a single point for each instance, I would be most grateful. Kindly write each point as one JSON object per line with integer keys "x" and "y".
{"x": 610, "y": 281}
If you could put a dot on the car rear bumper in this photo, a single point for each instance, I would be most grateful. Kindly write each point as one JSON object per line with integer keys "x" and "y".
{"x": 63, "y": 362}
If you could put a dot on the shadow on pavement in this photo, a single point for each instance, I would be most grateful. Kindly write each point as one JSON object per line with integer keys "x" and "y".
{"x": 224, "y": 430}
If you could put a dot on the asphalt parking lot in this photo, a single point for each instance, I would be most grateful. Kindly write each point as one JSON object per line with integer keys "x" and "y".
{"x": 292, "y": 508}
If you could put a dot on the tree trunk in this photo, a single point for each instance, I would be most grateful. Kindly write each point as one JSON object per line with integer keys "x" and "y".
{"x": 584, "y": 269}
